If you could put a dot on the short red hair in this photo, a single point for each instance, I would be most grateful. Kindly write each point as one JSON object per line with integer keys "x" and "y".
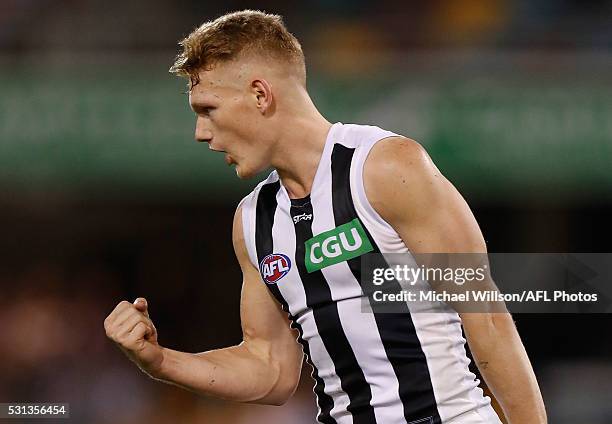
{"x": 233, "y": 34}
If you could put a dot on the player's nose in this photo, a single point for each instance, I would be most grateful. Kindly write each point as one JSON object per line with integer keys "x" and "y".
{"x": 205, "y": 137}
{"x": 202, "y": 133}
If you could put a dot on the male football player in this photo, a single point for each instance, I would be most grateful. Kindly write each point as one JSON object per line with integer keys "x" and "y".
{"x": 337, "y": 192}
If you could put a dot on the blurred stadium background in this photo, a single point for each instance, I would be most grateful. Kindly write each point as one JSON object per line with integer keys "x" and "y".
{"x": 105, "y": 196}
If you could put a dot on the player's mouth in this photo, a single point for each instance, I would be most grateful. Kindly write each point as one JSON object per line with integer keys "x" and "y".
{"x": 228, "y": 158}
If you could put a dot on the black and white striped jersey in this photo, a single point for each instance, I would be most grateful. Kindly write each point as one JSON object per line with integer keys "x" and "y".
{"x": 387, "y": 368}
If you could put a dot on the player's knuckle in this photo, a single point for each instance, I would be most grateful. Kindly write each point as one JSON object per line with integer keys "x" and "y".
{"x": 136, "y": 328}
{"x": 110, "y": 330}
{"x": 129, "y": 317}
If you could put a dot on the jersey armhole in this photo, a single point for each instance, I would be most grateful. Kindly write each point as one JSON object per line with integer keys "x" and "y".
{"x": 248, "y": 229}
{"x": 361, "y": 200}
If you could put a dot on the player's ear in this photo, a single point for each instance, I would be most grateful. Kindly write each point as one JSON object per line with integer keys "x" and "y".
{"x": 262, "y": 90}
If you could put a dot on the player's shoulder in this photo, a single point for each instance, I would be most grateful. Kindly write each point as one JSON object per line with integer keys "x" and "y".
{"x": 359, "y": 135}
{"x": 399, "y": 177}
{"x": 250, "y": 200}
{"x": 397, "y": 157}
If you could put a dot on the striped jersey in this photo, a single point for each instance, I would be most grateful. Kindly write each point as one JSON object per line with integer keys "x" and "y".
{"x": 368, "y": 367}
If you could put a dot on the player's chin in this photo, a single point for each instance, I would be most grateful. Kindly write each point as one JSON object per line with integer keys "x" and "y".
{"x": 243, "y": 172}
{"x": 246, "y": 169}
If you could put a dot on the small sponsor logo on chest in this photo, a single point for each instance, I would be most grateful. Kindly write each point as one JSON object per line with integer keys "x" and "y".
{"x": 302, "y": 217}
{"x": 344, "y": 242}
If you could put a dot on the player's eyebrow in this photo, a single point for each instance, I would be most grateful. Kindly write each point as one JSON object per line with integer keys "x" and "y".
{"x": 204, "y": 99}
{"x": 200, "y": 106}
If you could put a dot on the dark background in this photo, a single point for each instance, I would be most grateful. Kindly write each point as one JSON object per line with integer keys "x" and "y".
{"x": 104, "y": 195}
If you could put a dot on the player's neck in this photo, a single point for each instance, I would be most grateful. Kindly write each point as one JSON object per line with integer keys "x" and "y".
{"x": 299, "y": 151}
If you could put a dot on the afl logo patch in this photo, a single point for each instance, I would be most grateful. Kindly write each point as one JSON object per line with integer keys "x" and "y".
{"x": 274, "y": 267}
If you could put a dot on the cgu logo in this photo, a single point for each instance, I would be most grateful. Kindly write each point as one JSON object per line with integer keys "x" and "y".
{"x": 274, "y": 267}
{"x": 344, "y": 242}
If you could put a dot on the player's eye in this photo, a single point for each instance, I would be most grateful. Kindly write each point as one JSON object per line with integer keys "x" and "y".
{"x": 206, "y": 111}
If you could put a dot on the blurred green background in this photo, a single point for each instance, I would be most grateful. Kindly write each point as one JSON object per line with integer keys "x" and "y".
{"x": 104, "y": 194}
{"x": 525, "y": 121}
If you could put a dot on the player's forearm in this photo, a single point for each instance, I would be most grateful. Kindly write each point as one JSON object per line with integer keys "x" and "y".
{"x": 503, "y": 363}
{"x": 233, "y": 373}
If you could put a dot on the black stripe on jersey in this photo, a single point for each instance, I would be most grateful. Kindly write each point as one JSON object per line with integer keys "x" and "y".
{"x": 264, "y": 216}
{"x": 325, "y": 401}
{"x": 327, "y": 319}
{"x": 264, "y": 219}
{"x": 396, "y": 330}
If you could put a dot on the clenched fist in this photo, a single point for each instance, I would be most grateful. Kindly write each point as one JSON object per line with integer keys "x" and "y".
{"x": 131, "y": 328}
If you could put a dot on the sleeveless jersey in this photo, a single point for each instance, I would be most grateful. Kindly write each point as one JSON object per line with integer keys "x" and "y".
{"x": 368, "y": 367}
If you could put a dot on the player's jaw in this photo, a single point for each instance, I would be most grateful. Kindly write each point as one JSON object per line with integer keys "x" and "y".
{"x": 245, "y": 168}
{"x": 247, "y": 163}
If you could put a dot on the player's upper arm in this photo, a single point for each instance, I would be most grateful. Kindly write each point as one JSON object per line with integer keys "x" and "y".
{"x": 409, "y": 192}
{"x": 265, "y": 325}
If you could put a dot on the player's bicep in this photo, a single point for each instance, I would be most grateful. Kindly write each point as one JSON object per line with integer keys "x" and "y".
{"x": 262, "y": 317}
